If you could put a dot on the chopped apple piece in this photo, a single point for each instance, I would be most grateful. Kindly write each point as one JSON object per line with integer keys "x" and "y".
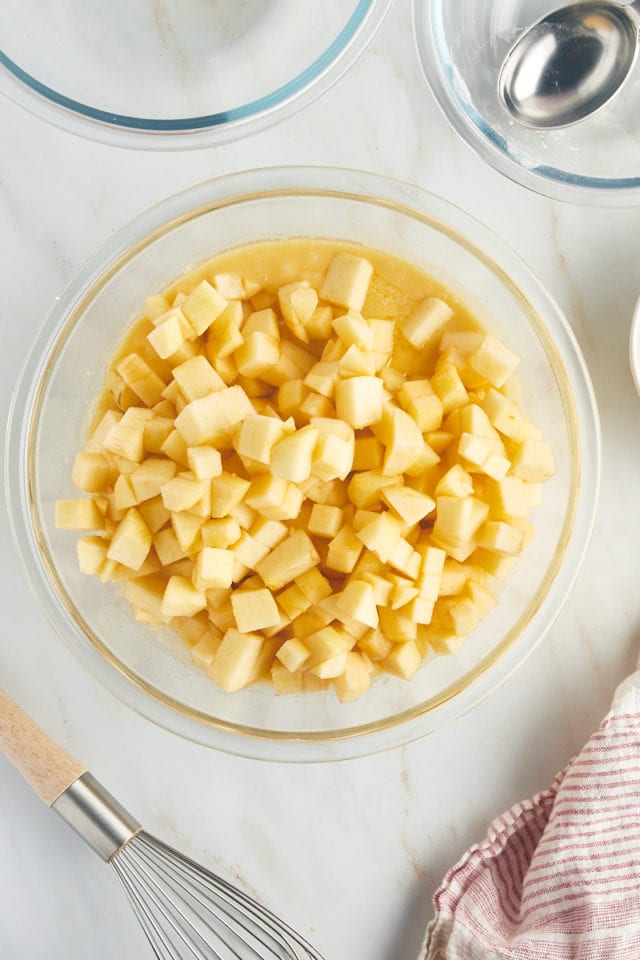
{"x": 182, "y": 599}
{"x": 402, "y": 439}
{"x": 291, "y": 457}
{"x": 78, "y": 515}
{"x": 148, "y": 479}
{"x": 403, "y": 659}
{"x": 359, "y": 401}
{"x": 288, "y": 560}
{"x": 344, "y": 550}
{"x": 197, "y": 378}
{"x": 205, "y": 462}
{"x": 293, "y": 654}
{"x": 139, "y": 376}
{"x": 426, "y": 319}
{"x": 354, "y": 680}
{"x": 493, "y": 360}
{"x": 533, "y": 461}
{"x": 92, "y": 553}
{"x": 298, "y": 302}
{"x": 500, "y": 537}
{"x": 347, "y": 281}
{"x": 131, "y": 541}
{"x": 325, "y": 520}
{"x": 203, "y": 652}
{"x": 357, "y": 602}
{"x": 90, "y": 472}
{"x": 213, "y": 569}
{"x": 227, "y": 490}
{"x": 235, "y": 661}
{"x": 254, "y": 610}
{"x": 257, "y": 435}
{"x": 168, "y": 336}
{"x": 203, "y": 306}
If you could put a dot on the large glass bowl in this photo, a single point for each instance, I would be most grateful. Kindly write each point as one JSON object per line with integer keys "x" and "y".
{"x": 150, "y": 670}
{"x": 181, "y": 73}
{"x": 462, "y": 46}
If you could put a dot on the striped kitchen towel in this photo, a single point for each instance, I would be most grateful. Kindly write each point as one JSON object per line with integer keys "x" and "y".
{"x": 557, "y": 877}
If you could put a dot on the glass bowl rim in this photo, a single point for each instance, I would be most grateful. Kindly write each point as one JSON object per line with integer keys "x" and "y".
{"x": 194, "y": 132}
{"x": 491, "y": 146}
{"x": 401, "y": 727}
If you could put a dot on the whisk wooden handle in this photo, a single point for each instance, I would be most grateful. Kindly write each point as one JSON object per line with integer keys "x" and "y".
{"x": 47, "y": 767}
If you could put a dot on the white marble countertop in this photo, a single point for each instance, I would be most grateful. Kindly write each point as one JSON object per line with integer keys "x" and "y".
{"x": 350, "y": 853}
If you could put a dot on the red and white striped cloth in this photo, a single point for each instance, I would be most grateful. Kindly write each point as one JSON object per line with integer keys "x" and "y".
{"x": 557, "y": 877}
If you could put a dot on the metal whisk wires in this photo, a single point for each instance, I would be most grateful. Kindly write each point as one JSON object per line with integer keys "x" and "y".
{"x": 188, "y": 912}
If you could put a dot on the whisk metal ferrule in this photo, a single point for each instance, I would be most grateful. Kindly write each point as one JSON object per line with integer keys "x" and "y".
{"x": 96, "y": 816}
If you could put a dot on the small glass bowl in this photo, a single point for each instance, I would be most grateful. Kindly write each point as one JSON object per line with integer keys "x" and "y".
{"x": 181, "y": 74}
{"x": 462, "y": 45}
{"x": 149, "y": 668}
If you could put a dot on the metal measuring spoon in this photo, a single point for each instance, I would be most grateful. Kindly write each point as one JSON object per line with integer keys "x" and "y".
{"x": 570, "y": 63}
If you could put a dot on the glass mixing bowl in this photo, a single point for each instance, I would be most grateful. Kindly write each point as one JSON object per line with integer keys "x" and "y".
{"x": 150, "y": 669}
{"x": 462, "y": 46}
{"x": 181, "y": 73}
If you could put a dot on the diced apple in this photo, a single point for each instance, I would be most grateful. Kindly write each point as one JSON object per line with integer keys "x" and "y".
{"x": 90, "y": 472}
{"x": 258, "y": 353}
{"x": 493, "y": 360}
{"x": 330, "y": 668}
{"x": 168, "y": 336}
{"x": 293, "y": 654}
{"x": 403, "y": 659}
{"x": 213, "y": 569}
{"x": 139, "y": 376}
{"x": 92, "y": 552}
{"x": 500, "y": 537}
{"x": 354, "y": 680}
{"x": 381, "y": 535}
{"x": 83, "y": 514}
{"x": 179, "y": 493}
{"x": 449, "y": 387}
{"x": 359, "y": 401}
{"x": 182, "y": 599}
{"x": 357, "y": 602}
{"x": 227, "y": 490}
{"x": 146, "y": 593}
{"x": 148, "y": 479}
{"x": 292, "y": 455}
{"x": 325, "y": 520}
{"x": 131, "y": 541}
{"x": 257, "y": 435}
{"x": 203, "y": 306}
{"x": 205, "y": 462}
{"x": 298, "y": 302}
{"x": 288, "y": 560}
{"x": 254, "y": 609}
{"x": 425, "y": 321}
{"x": 533, "y": 461}
{"x": 197, "y": 378}
{"x": 344, "y": 550}
{"x": 236, "y": 659}
{"x": 203, "y": 652}
{"x": 347, "y": 281}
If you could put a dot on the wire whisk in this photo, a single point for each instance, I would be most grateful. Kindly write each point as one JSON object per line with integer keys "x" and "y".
{"x": 186, "y": 912}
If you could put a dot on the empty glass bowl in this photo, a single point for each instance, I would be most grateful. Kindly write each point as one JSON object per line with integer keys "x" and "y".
{"x": 149, "y": 668}
{"x": 177, "y": 74}
{"x": 462, "y": 46}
